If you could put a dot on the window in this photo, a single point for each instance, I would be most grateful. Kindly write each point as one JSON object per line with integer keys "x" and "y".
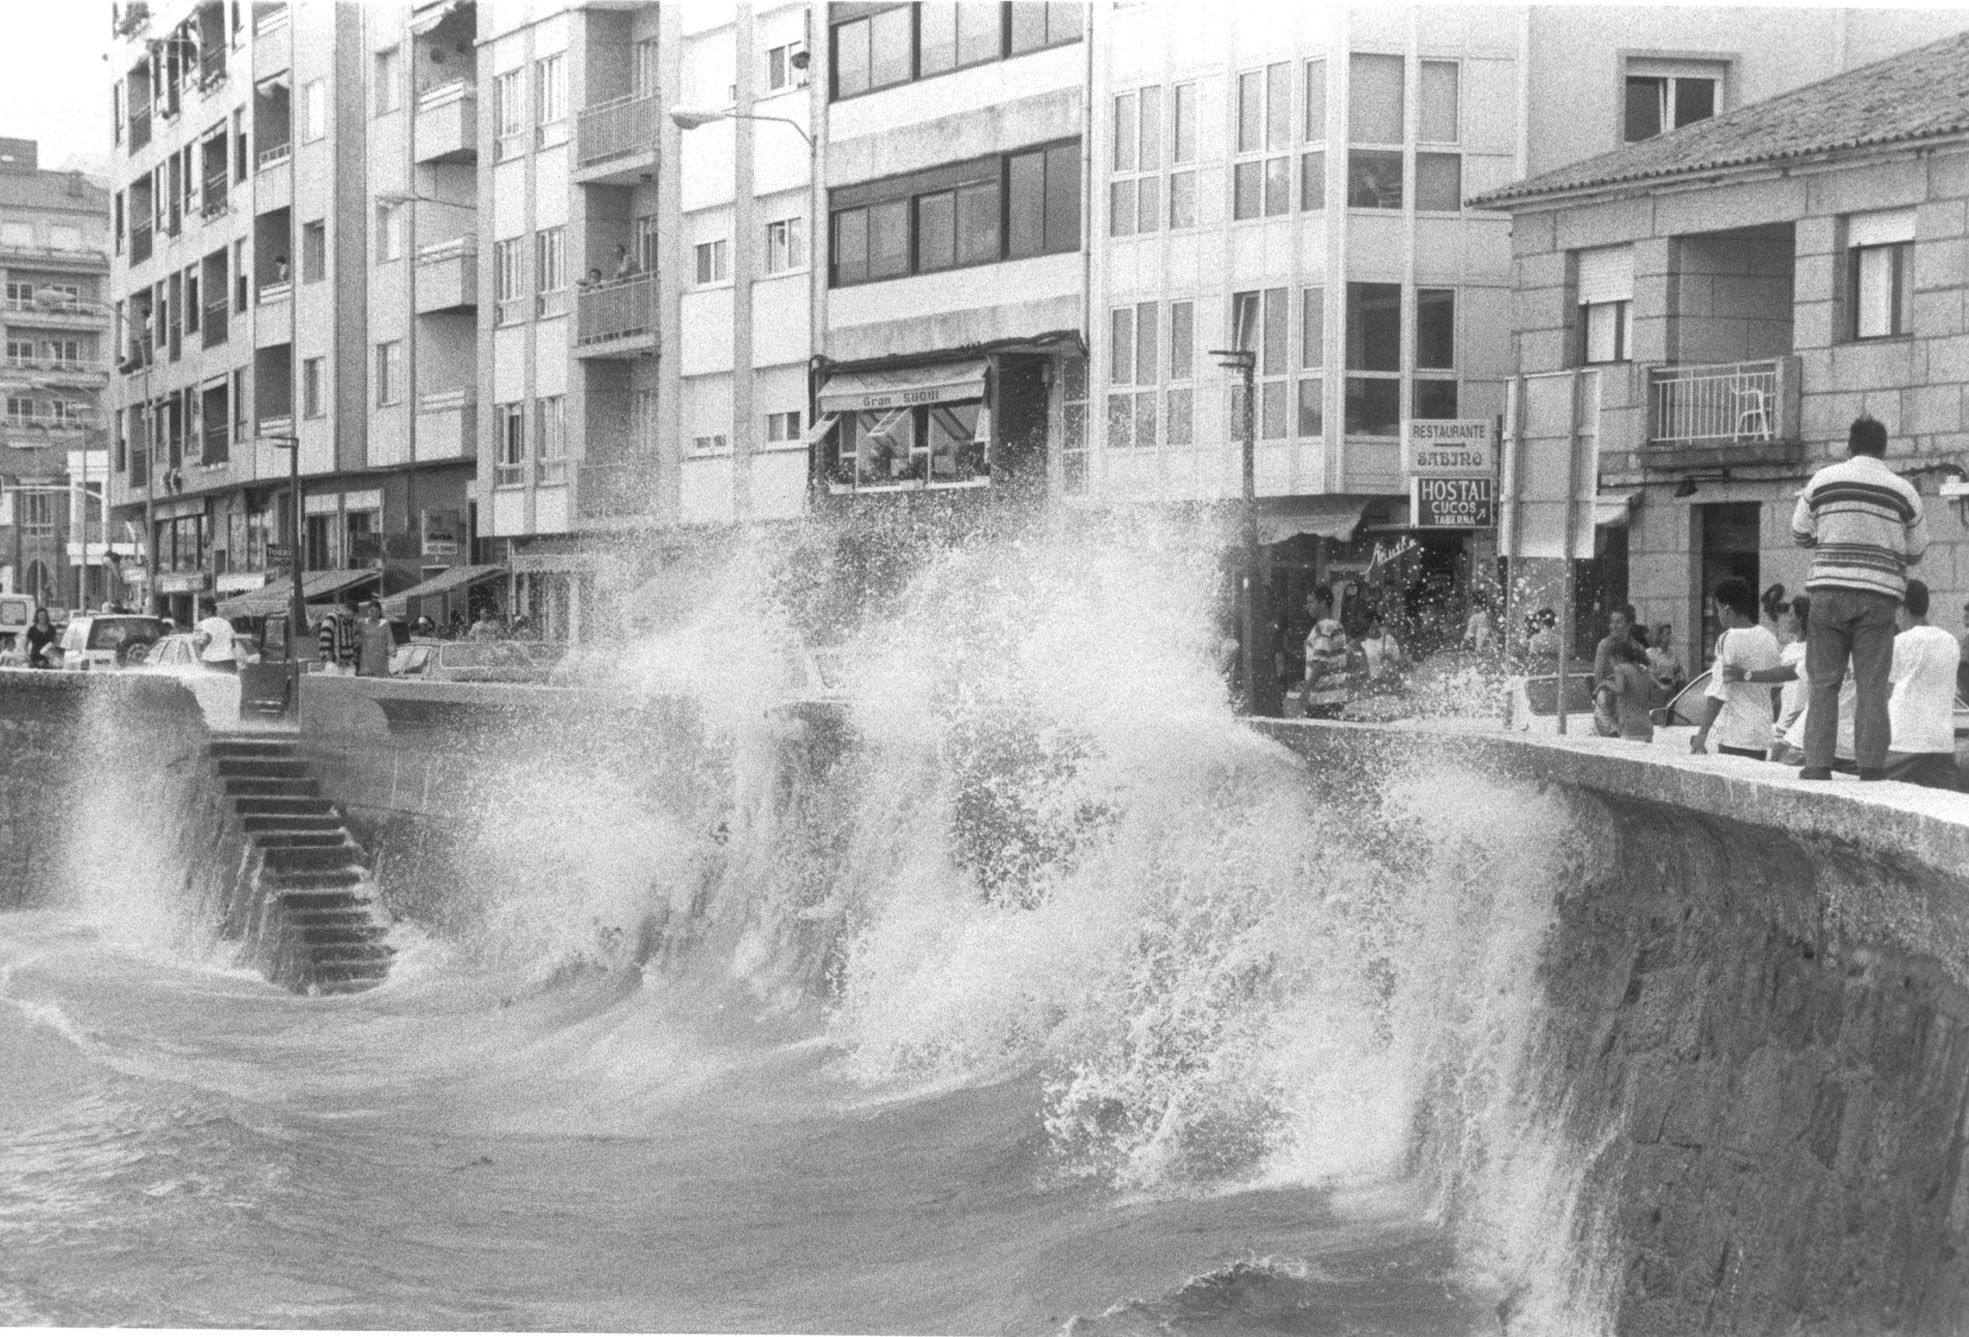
{"x": 389, "y": 372}
{"x": 1134, "y": 196}
{"x": 509, "y": 112}
{"x": 389, "y": 80}
{"x": 314, "y": 110}
{"x": 714, "y": 443}
{"x": 311, "y": 402}
{"x": 1259, "y": 322}
{"x": 1375, "y": 110}
{"x": 550, "y": 270}
{"x": 1374, "y": 359}
{"x": 1261, "y": 175}
{"x": 389, "y": 231}
{"x": 1182, "y": 154}
{"x": 1179, "y": 400}
{"x": 509, "y": 468}
{"x": 1132, "y": 362}
{"x": 1656, "y": 103}
{"x": 550, "y": 99}
{"x": 1879, "y": 274}
{"x": 783, "y": 426}
{"x": 509, "y": 273}
{"x": 781, "y": 72}
{"x": 714, "y": 263}
{"x": 950, "y": 36}
{"x": 20, "y": 351}
{"x": 1438, "y": 175}
{"x": 1042, "y": 23}
{"x": 643, "y": 68}
{"x": 786, "y": 245}
{"x": 241, "y": 280}
{"x": 314, "y": 251}
{"x": 646, "y": 243}
{"x": 551, "y": 414}
{"x": 1435, "y": 351}
{"x": 16, "y": 234}
{"x": 1312, "y": 162}
{"x": 1311, "y": 390}
{"x": 872, "y": 52}
{"x": 936, "y": 445}
{"x": 1606, "y": 302}
{"x": 951, "y": 215}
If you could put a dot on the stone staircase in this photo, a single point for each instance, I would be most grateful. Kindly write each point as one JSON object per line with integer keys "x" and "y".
{"x": 303, "y": 899}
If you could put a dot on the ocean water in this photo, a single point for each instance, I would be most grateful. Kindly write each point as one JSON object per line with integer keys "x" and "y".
{"x": 1052, "y": 1000}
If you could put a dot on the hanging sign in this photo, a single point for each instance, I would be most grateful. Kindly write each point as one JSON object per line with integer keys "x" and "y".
{"x": 1449, "y": 447}
{"x": 1452, "y": 503}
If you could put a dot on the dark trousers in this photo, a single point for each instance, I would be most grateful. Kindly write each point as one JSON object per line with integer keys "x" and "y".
{"x": 1856, "y": 625}
{"x": 1934, "y": 770}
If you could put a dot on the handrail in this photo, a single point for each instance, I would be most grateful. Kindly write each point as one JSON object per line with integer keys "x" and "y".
{"x": 274, "y": 155}
{"x": 440, "y": 95}
{"x": 448, "y": 249}
{"x": 440, "y": 401}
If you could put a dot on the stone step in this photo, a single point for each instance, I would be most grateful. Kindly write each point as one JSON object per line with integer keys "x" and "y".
{"x": 377, "y": 954}
{"x": 327, "y": 916}
{"x": 321, "y": 935}
{"x": 279, "y": 823}
{"x": 313, "y": 879}
{"x": 249, "y": 745}
{"x": 261, "y": 786}
{"x": 326, "y": 898}
{"x": 354, "y": 984}
{"x": 294, "y": 858}
{"x": 273, "y": 768}
{"x": 331, "y": 833}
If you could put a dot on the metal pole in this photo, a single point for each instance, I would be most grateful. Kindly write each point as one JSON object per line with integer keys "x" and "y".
{"x": 297, "y": 609}
{"x": 1260, "y": 688}
{"x": 150, "y": 487}
{"x": 1565, "y": 580}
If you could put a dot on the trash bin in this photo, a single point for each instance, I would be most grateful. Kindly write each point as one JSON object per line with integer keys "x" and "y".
{"x": 269, "y": 689}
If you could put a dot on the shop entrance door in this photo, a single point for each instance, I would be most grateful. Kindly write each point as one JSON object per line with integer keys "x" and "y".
{"x": 1730, "y": 532}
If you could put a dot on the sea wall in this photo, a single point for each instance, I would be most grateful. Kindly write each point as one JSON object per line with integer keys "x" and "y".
{"x": 1757, "y": 1028}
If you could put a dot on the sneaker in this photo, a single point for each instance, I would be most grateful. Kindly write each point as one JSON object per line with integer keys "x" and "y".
{"x": 1815, "y": 773}
{"x": 1872, "y": 773}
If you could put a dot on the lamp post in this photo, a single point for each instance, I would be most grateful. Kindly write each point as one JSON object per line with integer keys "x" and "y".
{"x": 1260, "y": 688}
{"x": 297, "y": 609}
{"x": 690, "y": 118}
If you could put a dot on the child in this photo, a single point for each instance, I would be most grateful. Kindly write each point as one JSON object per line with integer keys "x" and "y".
{"x": 1633, "y": 692}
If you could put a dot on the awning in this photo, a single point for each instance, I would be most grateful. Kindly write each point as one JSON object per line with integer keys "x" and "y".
{"x": 822, "y": 426}
{"x": 315, "y": 585}
{"x": 1333, "y": 518}
{"x": 1612, "y": 510}
{"x": 903, "y": 387}
{"x": 437, "y": 14}
{"x": 452, "y": 580}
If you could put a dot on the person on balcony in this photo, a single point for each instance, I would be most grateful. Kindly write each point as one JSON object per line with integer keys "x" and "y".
{"x": 625, "y": 263}
{"x": 1864, "y": 525}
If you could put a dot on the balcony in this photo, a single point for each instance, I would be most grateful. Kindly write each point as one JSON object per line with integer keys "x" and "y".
{"x": 140, "y": 239}
{"x": 80, "y": 259}
{"x": 1741, "y": 413}
{"x": 615, "y": 141}
{"x": 214, "y": 326}
{"x": 61, "y": 371}
{"x": 217, "y": 444}
{"x": 617, "y": 318}
{"x": 215, "y": 197}
{"x": 447, "y": 425}
{"x": 139, "y": 127}
{"x": 447, "y": 123}
{"x": 447, "y": 276}
{"x": 615, "y": 489}
{"x": 274, "y": 155}
{"x": 212, "y": 69}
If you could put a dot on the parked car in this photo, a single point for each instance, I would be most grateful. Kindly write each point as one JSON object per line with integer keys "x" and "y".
{"x": 1533, "y": 703}
{"x": 179, "y": 653}
{"x": 414, "y": 656}
{"x": 16, "y": 616}
{"x": 1675, "y": 721}
{"x": 108, "y": 640}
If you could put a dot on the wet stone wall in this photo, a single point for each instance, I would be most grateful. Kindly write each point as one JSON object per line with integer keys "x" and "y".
{"x": 1758, "y": 1033}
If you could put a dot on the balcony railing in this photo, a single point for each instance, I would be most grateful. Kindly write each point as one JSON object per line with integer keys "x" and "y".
{"x": 619, "y": 309}
{"x": 1726, "y": 403}
{"x": 454, "y": 90}
{"x": 216, "y": 200}
{"x": 274, "y": 154}
{"x": 616, "y": 128}
{"x": 212, "y": 69}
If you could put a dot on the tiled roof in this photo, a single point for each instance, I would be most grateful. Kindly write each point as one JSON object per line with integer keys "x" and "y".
{"x": 1919, "y": 94}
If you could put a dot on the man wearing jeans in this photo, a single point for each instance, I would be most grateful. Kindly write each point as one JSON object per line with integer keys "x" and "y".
{"x": 1863, "y": 524}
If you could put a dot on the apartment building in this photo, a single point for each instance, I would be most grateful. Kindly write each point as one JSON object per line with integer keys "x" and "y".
{"x": 1711, "y": 310}
{"x": 1293, "y": 181}
{"x": 54, "y": 260}
{"x": 288, "y": 181}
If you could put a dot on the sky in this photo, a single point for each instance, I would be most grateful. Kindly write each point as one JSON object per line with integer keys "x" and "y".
{"x": 57, "y": 87}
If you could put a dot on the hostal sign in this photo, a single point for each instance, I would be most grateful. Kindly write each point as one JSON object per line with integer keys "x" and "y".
{"x": 1452, "y": 473}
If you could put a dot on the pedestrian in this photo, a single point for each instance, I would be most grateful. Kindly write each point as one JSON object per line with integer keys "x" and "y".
{"x": 1632, "y": 690}
{"x": 1921, "y": 711}
{"x": 1326, "y": 653}
{"x": 1737, "y": 707}
{"x": 374, "y": 643}
{"x": 213, "y": 638}
{"x": 1382, "y": 651}
{"x": 1620, "y": 631}
{"x": 486, "y": 627}
{"x": 1544, "y": 643}
{"x": 1864, "y": 524}
{"x": 1478, "y": 634}
{"x": 40, "y": 640}
{"x": 335, "y": 642}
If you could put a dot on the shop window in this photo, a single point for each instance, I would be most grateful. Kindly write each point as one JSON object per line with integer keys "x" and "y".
{"x": 1261, "y": 173}
{"x": 932, "y": 445}
{"x": 1374, "y": 353}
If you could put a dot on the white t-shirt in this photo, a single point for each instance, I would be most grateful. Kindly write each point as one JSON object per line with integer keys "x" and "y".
{"x": 1922, "y": 708}
{"x": 219, "y": 648}
{"x": 1745, "y": 721}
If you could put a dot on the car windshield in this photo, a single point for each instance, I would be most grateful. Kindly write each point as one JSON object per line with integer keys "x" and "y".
{"x": 107, "y": 633}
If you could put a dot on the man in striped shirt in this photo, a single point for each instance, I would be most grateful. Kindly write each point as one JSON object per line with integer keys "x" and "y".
{"x": 1863, "y": 523}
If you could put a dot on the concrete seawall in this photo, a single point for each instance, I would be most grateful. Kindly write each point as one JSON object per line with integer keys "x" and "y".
{"x": 1758, "y": 1020}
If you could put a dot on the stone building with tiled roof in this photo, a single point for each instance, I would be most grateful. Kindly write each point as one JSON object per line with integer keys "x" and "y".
{"x": 1726, "y": 298}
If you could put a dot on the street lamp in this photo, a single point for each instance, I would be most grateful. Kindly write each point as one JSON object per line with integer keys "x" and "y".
{"x": 1260, "y": 689}
{"x": 297, "y": 608}
{"x": 690, "y": 118}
